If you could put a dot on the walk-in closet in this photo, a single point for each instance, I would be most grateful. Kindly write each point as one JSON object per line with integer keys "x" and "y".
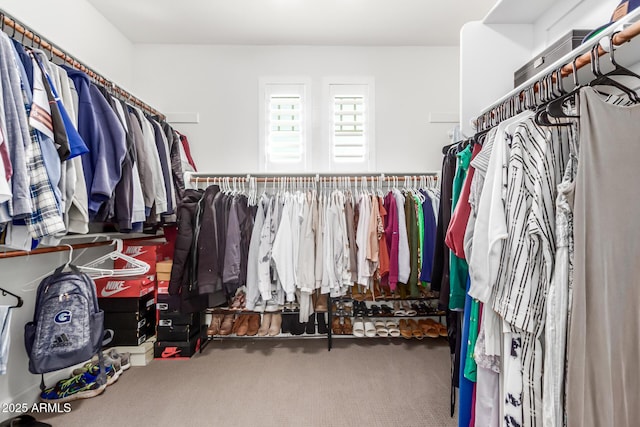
{"x": 319, "y": 213}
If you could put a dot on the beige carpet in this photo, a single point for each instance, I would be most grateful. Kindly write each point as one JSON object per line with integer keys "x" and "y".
{"x": 266, "y": 383}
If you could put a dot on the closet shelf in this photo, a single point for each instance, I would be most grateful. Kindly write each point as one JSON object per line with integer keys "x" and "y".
{"x": 256, "y": 337}
{"x": 418, "y": 316}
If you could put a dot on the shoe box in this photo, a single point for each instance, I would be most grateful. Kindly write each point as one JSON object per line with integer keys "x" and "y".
{"x": 148, "y": 251}
{"x": 141, "y": 355}
{"x": 163, "y": 270}
{"x": 176, "y": 326}
{"x": 128, "y": 305}
{"x": 129, "y": 321}
{"x": 177, "y": 349}
{"x": 124, "y": 287}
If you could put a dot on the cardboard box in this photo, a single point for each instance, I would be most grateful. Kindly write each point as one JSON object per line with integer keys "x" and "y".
{"x": 176, "y": 349}
{"x": 128, "y": 305}
{"x": 164, "y": 266}
{"x": 141, "y": 355}
{"x": 163, "y": 276}
{"x": 147, "y": 251}
{"x": 124, "y": 287}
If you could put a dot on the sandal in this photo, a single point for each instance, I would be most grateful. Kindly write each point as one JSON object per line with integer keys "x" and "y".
{"x": 416, "y": 331}
{"x": 392, "y": 328}
{"x": 408, "y": 310}
{"x": 381, "y": 328}
{"x": 356, "y": 294}
{"x": 369, "y": 329}
{"x": 386, "y": 310}
{"x": 398, "y": 310}
{"x": 423, "y": 310}
{"x": 336, "y": 327}
{"x": 375, "y": 310}
{"x": 429, "y": 329}
{"x": 347, "y": 328}
{"x": 405, "y": 329}
{"x": 358, "y": 328}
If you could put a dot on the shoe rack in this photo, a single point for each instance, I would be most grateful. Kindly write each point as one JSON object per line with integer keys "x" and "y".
{"x": 412, "y": 317}
{"x": 281, "y": 324}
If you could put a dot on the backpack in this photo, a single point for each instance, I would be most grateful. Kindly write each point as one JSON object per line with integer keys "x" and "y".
{"x": 67, "y": 326}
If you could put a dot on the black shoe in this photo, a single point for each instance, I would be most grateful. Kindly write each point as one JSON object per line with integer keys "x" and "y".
{"x": 322, "y": 324}
{"x": 297, "y": 328}
{"x": 311, "y": 325}
{"x": 287, "y": 321}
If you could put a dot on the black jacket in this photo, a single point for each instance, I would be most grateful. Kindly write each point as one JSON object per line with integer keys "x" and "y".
{"x": 184, "y": 280}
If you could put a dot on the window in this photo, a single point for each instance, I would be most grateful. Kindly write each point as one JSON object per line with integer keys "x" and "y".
{"x": 284, "y": 131}
{"x": 350, "y": 135}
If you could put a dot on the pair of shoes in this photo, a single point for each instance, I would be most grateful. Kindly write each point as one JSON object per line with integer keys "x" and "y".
{"x": 410, "y": 329}
{"x": 226, "y": 327}
{"x": 81, "y": 386}
{"x": 271, "y": 324}
{"x": 341, "y": 326}
{"x": 360, "y": 309}
{"x": 392, "y": 328}
{"x": 356, "y": 294}
{"x": 381, "y": 328}
{"x": 214, "y": 326}
{"x": 364, "y": 328}
{"x": 246, "y": 325}
{"x": 403, "y": 308}
{"x": 429, "y": 328}
{"x": 124, "y": 358}
{"x": 386, "y": 310}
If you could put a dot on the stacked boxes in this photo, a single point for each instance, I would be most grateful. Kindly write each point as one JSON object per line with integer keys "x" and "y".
{"x": 129, "y": 309}
{"x": 179, "y": 334}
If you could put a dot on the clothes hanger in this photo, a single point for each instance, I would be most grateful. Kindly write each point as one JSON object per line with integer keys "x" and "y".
{"x": 605, "y": 79}
{"x": 138, "y": 267}
{"x": 5, "y": 292}
{"x": 556, "y": 108}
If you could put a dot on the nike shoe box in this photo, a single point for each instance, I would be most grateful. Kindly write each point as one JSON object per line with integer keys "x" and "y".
{"x": 147, "y": 251}
{"x": 129, "y": 336}
{"x": 175, "y": 318}
{"x": 124, "y": 287}
{"x": 177, "y": 332}
{"x": 133, "y": 320}
{"x": 128, "y": 305}
{"x": 177, "y": 349}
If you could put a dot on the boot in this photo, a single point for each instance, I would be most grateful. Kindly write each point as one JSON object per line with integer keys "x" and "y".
{"x": 241, "y": 325}
{"x": 214, "y": 326}
{"x": 322, "y": 324}
{"x": 227, "y": 325}
{"x": 276, "y": 323}
{"x": 287, "y": 322}
{"x": 253, "y": 324}
{"x": 266, "y": 323}
{"x": 310, "y": 329}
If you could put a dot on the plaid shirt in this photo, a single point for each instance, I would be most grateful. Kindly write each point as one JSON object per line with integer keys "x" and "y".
{"x": 46, "y": 216}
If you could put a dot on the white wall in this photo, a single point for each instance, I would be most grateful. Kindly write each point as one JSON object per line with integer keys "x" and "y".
{"x": 78, "y": 28}
{"x": 221, "y": 84}
{"x": 491, "y": 53}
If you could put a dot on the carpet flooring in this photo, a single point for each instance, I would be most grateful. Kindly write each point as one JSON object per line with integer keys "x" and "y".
{"x": 376, "y": 383}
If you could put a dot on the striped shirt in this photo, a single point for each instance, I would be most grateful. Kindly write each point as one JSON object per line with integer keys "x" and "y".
{"x": 538, "y": 157}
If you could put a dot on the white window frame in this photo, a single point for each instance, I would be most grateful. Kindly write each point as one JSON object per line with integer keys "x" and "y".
{"x": 267, "y": 87}
{"x": 344, "y": 85}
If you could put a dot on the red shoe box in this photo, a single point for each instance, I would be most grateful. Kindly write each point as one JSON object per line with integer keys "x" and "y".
{"x": 147, "y": 251}
{"x": 124, "y": 287}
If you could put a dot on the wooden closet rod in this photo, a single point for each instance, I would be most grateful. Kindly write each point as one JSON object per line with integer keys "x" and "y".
{"x": 17, "y": 27}
{"x": 619, "y": 38}
{"x": 61, "y": 248}
{"x": 317, "y": 177}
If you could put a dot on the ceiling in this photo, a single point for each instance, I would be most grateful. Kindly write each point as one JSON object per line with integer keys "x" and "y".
{"x": 293, "y": 22}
